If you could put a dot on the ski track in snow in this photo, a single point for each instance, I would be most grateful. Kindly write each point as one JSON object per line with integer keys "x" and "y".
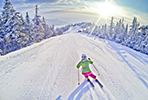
{"x": 47, "y": 70}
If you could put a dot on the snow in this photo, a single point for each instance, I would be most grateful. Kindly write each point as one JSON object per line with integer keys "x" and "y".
{"x": 142, "y": 27}
{"x": 19, "y": 33}
{"x": 47, "y": 70}
{"x": 1, "y": 39}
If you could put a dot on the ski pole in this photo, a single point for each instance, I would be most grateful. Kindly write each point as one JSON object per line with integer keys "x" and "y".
{"x": 78, "y": 77}
{"x": 96, "y": 69}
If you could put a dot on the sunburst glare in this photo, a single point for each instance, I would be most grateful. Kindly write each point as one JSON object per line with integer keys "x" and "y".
{"x": 106, "y": 9}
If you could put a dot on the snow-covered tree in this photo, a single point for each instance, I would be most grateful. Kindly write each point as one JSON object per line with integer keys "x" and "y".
{"x": 60, "y": 31}
{"x": 144, "y": 45}
{"x": 125, "y": 34}
{"x": 13, "y": 28}
{"x": 98, "y": 31}
{"x": 8, "y": 11}
{"x": 111, "y": 34}
{"x": 67, "y": 27}
{"x": 1, "y": 21}
{"x": 37, "y": 27}
{"x": 87, "y": 30}
{"x": 102, "y": 33}
{"x": 126, "y": 30}
{"x": 27, "y": 20}
{"x": 47, "y": 31}
{"x": 28, "y": 30}
{"x": 93, "y": 29}
{"x": 63, "y": 29}
{"x": 1, "y": 28}
{"x": 133, "y": 34}
{"x": 52, "y": 27}
{"x": 143, "y": 29}
{"x": 120, "y": 32}
{"x": 141, "y": 43}
{"x": 105, "y": 31}
{"x": 1, "y": 35}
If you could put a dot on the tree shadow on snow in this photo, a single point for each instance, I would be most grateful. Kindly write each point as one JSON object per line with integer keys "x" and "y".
{"x": 79, "y": 91}
{"x": 140, "y": 57}
{"x": 59, "y": 98}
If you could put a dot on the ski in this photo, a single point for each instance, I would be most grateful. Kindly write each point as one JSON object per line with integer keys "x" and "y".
{"x": 99, "y": 83}
{"x": 90, "y": 83}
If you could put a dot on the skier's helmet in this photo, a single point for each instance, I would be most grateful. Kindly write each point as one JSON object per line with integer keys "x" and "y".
{"x": 83, "y": 56}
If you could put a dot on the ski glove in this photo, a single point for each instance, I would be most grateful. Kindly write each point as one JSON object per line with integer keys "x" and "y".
{"x": 89, "y": 59}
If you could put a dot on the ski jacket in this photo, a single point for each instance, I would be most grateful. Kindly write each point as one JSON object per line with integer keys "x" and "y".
{"x": 85, "y": 65}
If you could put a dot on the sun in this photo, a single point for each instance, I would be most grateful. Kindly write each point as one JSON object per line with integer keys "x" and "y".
{"x": 105, "y": 9}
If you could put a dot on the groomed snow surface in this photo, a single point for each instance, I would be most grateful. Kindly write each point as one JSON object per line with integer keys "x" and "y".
{"x": 47, "y": 70}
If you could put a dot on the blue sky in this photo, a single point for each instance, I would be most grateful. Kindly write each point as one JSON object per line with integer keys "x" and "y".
{"x": 140, "y": 5}
{"x": 72, "y": 11}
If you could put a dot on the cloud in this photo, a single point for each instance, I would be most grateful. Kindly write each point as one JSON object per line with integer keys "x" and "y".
{"x": 42, "y": 1}
{"x": 57, "y": 22}
{"x": 74, "y": 10}
{"x": 127, "y": 13}
{"x": 52, "y": 1}
{"x": 35, "y": 1}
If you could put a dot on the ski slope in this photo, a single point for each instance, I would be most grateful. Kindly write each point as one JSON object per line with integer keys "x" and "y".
{"x": 47, "y": 70}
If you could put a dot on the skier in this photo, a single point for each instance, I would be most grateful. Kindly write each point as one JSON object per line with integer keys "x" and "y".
{"x": 85, "y": 67}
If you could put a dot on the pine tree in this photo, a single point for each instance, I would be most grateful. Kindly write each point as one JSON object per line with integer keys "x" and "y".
{"x": 1, "y": 36}
{"x": 37, "y": 27}
{"x": 133, "y": 34}
{"x": 60, "y": 31}
{"x": 98, "y": 32}
{"x": 126, "y": 30}
{"x": 47, "y": 31}
{"x": 13, "y": 28}
{"x": 141, "y": 43}
{"x": 0, "y": 21}
{"x": 27, "y": 18}
{"x": 8, "y": 11}
{"x": 120, "y": 32}
{"x": 93, "y": 29}
{"x": 118, "y": 26}
{"x": 29, "y": 29}
{"x": 125, "y": 34}
{"x": 104, "y": 32}
{"x": 111, "y": 30}
{"x": 52, "y": 27}
{"x": 144, "y": 45}
{"x": 1, "y": 28}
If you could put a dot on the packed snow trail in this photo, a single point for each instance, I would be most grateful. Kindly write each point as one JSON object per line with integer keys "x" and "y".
{"x": 47, "y": 70}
